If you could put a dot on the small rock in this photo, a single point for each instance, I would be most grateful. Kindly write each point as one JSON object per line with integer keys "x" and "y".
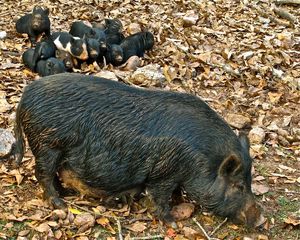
{"x": 257, "y": 135}
{"x": 107, "y": 74}
{"x": 3, "y": 34}
{"x": 190, "y": 19}
{"x": 132, "y": 63}
{"x": 259, "y": 189}
{"x": 283, "y": 141}
{"x": 59, "y": 213}
{"x": 84, "y": 219}
{"x": 133, "y": 28}
{"x": 6, "y": 141}
{"x": 237, "y": 120}
{"x": 151, "y": 72}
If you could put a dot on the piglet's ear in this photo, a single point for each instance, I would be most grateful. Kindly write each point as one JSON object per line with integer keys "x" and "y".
{"x": 46, "y": 11}
{"x": 230, "y": 166}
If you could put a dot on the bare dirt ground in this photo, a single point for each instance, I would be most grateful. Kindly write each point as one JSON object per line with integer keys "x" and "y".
{"x": 242, "y": 57}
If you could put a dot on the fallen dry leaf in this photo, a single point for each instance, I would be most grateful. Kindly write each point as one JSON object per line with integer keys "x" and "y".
{"x": 291, "y": 220}
{"x": 259, "y": 189}
{"x": 137, "y": 226}
{"x": 43, "y": 228}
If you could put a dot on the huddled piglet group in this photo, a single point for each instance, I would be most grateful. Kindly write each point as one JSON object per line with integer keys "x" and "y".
{"x": 92, "y": 43}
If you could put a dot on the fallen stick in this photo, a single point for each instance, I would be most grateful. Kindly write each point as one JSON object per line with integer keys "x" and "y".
{"x": 89, "y": 211}
{"x": 119, "y": 230}
{"x": 287, "y": 2}
{"x": 218, "y": 227}
{"x": 202, "y": 229}
{"x": 147, "y": 237}
{"x": 285, "y": 14}
{"x": 264, "y": 13}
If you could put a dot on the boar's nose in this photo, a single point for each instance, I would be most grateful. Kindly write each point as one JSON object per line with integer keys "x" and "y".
{"x": 84, "y": 55}
{"x": 93, "y": 54}
{"x": 251, "y": 214}
{"x": 119, "y": 58}
{"x": 103, "y": 46}
{"x": 68, "y": 64}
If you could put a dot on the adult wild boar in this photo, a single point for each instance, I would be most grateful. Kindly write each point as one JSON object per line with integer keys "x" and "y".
{"x": 113, "y": 138}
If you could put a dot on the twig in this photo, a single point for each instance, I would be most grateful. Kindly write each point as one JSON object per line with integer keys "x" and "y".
{"x": 287, "y": 1}
{"x": 119, "y": 230}
{"x": 264, "y": 13}
{"x": 147, "y": 237}
{"x": 285, "y": 14}
{"x": 202, "y": 229}
{"x": 89, "y": 211}
{"x": 77, "y": 206}
{"x": 284, "y": 191}
{"x": 130, "y": 221}
{"x": 218, "y": 227}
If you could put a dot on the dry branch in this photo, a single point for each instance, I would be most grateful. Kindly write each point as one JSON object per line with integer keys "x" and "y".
{"x": 218, "y": 227}
{"x": 285, "y": 14}
{"x": 202, "y": 229}
{"x": 287, "y": 2}
{"x": 264, "y": 13}
{"x": 147, "y": 237}
{"x": 119, "y": 229}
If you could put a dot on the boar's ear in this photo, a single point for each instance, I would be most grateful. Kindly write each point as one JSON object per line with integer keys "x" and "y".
{"x": 46, "y": 11}
{"x": 49, "y": 64}
{"x": 230, "y": 166}
{"x": 56, "y": 53}
{"x": 244, "y": 140}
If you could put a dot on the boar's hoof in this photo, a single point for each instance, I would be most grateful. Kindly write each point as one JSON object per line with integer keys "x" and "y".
{"x": 172, "y": 225}
{"x": 169, "y": 220}
{"x": 58, "y": 203}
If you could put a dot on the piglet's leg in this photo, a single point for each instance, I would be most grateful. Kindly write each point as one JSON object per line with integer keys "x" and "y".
{"x": 45, "y": 171}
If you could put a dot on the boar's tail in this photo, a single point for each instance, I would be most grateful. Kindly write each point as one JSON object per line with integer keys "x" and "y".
{"x": 19, "y": 145}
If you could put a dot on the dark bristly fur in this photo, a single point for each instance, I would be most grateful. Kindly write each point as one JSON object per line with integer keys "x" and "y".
{"x": 50, "y": 66}
{"x": 137, "y": 44}
{"x": 44, "y": 50}
{"x": 27, "y": 58}
{"x": 114, "y": 138}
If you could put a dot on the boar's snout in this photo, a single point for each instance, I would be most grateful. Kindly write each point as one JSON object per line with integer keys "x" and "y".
{"x": 250, "y": 214}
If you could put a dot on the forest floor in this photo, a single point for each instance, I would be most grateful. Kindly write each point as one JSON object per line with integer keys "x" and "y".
{"x": 241, "y": 57}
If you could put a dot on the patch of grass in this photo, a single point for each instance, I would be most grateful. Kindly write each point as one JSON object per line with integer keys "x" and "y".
{"x": 14, "y": 230}
{"x": 263, "y": 170}
{"x": 286, "y": 207}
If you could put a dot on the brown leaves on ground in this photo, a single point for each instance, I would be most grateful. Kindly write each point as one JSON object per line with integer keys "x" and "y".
{"x": 242, "y": 57}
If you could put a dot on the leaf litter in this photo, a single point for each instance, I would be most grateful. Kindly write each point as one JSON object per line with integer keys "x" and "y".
{"x": 242, "y": 57}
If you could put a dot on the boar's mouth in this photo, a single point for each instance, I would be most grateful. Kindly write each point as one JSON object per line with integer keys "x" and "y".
{"x": 119, "y": 58}
{"x": 250, "y": 215}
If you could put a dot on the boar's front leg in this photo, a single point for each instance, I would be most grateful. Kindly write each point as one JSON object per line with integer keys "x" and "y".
{"x": 46, "y": 173}
{"x": 161, "y": 193}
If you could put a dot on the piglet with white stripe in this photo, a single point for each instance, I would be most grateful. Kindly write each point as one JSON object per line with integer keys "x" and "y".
{"x": 74, "y": 45}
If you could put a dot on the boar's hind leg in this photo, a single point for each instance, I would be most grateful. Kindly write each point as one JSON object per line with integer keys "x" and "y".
{"x": 45, "y": 171}
{"x": 161, "y": 194}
